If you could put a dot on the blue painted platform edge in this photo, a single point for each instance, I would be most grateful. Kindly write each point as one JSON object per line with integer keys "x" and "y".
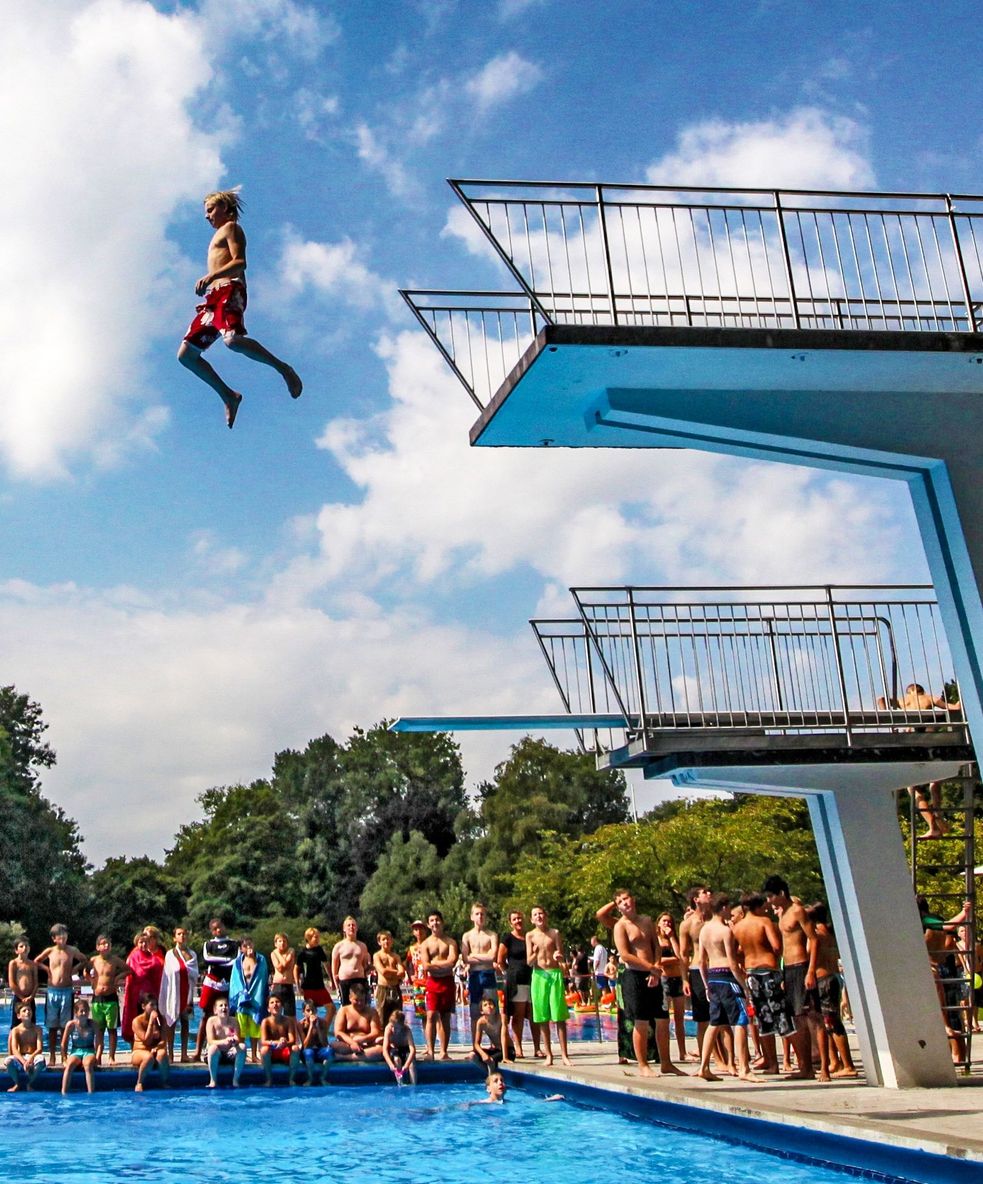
{"x": 195, "y": 1077}
{"x": 864, "y": 1158}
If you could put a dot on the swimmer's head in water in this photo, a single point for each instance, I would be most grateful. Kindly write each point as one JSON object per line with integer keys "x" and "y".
{"x": 495, "y": 1086}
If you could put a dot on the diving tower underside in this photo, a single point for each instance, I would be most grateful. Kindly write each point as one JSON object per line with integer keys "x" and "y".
{"x": 835, "y": 330}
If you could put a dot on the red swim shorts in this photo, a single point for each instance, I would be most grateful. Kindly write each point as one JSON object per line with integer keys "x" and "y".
{"x": 280, "y": 1056}
{"x": 441, "y": 993}
{"x": 221, "y": 315}
{"x": 318, "y": 996}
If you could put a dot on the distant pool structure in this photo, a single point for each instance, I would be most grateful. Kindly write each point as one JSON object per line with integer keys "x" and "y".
{"x": 432, "y": 1133}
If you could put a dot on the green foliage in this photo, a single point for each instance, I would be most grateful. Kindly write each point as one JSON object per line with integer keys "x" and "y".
{"x": 730, "y": 845}
{"x": 403, "y": 886}
{"x": 10, "y": 932}
{"x": 540, "y": 791}
{"x": 42, "y": 869}
{"x": 131, "y": 893}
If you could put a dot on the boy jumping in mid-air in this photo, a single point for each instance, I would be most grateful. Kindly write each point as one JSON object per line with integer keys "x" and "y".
{"x": 224, "y": 307}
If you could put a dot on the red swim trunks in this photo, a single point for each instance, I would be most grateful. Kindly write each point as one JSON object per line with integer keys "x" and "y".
{"x": 280, "y": 1056}
{"x": 441, "y": 993}
{"x": 221, "y": 315}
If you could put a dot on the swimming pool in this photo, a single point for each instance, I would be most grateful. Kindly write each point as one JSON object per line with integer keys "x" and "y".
{"x": 427, "y": 1135}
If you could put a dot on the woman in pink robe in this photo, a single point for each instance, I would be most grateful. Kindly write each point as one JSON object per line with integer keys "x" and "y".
{"x": 146, "y": 963}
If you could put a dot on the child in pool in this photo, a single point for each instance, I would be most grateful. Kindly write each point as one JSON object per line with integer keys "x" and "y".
{"x": 398, "y": 1047}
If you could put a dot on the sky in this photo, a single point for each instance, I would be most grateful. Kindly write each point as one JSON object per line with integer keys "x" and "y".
{"x": 184, "y": 601}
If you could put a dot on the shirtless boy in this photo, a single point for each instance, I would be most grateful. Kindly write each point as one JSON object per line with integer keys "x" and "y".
{"x": 479, "y": 947}
{"x": 390, "y": 974}
{"x": 641, "y": 984}
{"x": 399, "y": 1047}
{"x": 350, "y": 960}
{"x": 284, "y": 963}
{"x": 761, "y": 944}
{"x": 224, "y": 1045}
{"x": 22, "y": 979}
{"x": 834, "y": 1061}
{"x": 544, "y": 953}
{"x": 61, "y": 961}
{"x": 222, "y": 312}
{"x": 438, "y": 956}
{"x": 698, "y": 899}
{"x": 279, "y": 1040}
{"x": 800, "y": 953}
{"x": 315, "y": 1045}
{"x": 725, "y": 984}
{"x": 488, "y": 1028}
{"x": 358, "y": 1033}
{"x": 108, "y": 974}
{"x": 25, "y": 1046}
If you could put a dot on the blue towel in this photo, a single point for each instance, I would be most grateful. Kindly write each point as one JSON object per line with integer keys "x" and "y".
{"x": 250, "y": 999}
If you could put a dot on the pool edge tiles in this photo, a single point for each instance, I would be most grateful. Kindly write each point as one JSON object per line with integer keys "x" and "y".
{"x": 886, "y": 1156}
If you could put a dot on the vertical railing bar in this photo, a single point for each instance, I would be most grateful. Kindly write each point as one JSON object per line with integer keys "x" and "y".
{"x": 911, "y": 279}
{"x": 771, "y": 278}
{"x": 682, "y": 270}
{"x": 805, "y": 261}
{"x": 554, "y": 291}
{"x": 840, "y": 267}
{"x": 839, "y": 663}
{"x": 662, "y": 263}
{"x": 566, "y": 253}
{"x": 590, "y": 278}
{"x": 942, "y": 272}
{"x": 928, "y": 276}
{"x": 631, "y": 287}
{"x": 874, "y": 267}
{"x": 645, "y": 263}
{"x": 970, "y": 315}
{"x": 890, "y": 264}
{"x": 607, "y": 251}
{"x": 822, "y": 263}
{"x": 865, "y": 300}
{"x": 796, "y": 322}
{"x": 699, "y": 265}
{"x": 716, "y": 267}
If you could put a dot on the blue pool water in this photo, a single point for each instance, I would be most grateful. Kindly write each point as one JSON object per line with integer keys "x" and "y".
{"x": 363, "y": 1135}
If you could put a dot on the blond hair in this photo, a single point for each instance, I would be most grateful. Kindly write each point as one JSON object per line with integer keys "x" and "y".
{"x": 230, "y": 198}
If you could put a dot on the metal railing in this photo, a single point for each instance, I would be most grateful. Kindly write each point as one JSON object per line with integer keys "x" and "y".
{"x": 580, "y": 679}
{"x": 599, "y": 254}
{"x": 777, "y": 660}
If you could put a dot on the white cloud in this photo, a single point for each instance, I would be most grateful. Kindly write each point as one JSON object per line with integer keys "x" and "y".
{"x": 509, "y": 9}
{"x": 445, "y": 513}
{"x": 806, "y": 148}
{"x": 109, "y": 142}
{"x": 376, "y": 156}
{"x": 503, "y": 78}
{"x": 282, "y": 26}
{"x": 180, "y": 698}
{"x": 336, "y": 270}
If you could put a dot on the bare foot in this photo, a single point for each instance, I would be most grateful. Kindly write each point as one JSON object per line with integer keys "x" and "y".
{"x": 823, "y": 1076}
{"x": 14, "y": 1089}
{"x": 112, "y": 1062}
{"x": 138, "y": 1089}
{"x": 801, "y": 1077}
{"x": 672, "y": 1071}
{"x": 693, "y": 1056}
{"x": 547, "y": 1061}
{"x": 232, "y": 408}
{"x": 708, "y": 1076}
{"x": 750, "y": 1078}
{"x": 845, "y": 1072}
{"x": 210, "y": 1085}
{"x": 643, "y": 1071}
{"x": 445, "y": 1056}
{"x": 566, "y": 1060}
{"x": 294, "y": 385}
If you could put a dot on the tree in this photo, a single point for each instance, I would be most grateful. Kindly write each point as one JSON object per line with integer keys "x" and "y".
{"x": 42, "y": 869}
{"x": 732, "y": 845}
{"x": 131, "y": 893}
{"x": 240, "y": 860}
{"x": 540, "y": 791}
{"x": 351, "y": 801}
{"x": 403, "y": 886}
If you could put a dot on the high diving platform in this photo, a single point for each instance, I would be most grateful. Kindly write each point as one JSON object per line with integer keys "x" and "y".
{"x": 837, "y": 330}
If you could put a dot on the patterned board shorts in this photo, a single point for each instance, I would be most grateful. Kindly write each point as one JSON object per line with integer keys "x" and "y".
{"x": 221, "y": 314}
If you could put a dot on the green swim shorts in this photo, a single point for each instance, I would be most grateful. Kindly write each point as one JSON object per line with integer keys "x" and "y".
{"x": 105, "y": 1013}
{"x": 547, "y": 996}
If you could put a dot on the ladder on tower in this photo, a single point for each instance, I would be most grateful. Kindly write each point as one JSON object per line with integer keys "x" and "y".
{"x": 943, "y": 868}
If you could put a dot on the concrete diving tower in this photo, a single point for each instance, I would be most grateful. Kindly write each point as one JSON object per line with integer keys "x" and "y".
{"x": 835, "y": 330}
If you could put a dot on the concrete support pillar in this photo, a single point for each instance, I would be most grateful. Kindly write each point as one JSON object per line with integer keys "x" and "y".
{"x": 892, "y": 993}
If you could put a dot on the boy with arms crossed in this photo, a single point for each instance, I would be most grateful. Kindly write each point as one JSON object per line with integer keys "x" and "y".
{"x": 22, "y": 979}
